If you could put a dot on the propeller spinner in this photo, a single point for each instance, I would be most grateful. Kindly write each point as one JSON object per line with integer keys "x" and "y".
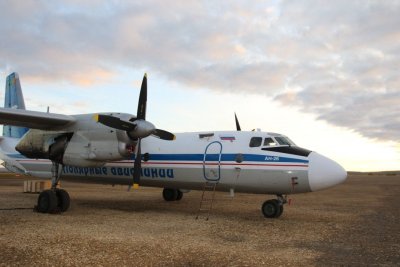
{"x": 137, "y": 129}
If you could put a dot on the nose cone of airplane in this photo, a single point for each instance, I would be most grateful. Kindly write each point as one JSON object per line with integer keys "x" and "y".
{"x": 324, "y": 172}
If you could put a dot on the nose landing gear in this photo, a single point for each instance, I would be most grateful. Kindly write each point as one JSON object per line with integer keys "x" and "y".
{"x": 273, "y": 208}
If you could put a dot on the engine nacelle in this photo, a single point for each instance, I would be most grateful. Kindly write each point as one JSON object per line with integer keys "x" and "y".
{"x": 36, "y": 143}
{"x": 83, "y": 148}
{"x": 94, "y": 152}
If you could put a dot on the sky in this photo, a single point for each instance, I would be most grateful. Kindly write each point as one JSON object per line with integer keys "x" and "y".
{"x": 326, "y": 74}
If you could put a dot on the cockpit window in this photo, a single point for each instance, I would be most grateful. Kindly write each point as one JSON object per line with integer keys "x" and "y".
{"x": 284, "y": 141}
{"x": 269, "y": 142}
{"x": 255, "y": 142}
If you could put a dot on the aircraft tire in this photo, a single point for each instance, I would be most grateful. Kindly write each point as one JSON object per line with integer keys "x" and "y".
{"x": 180, "y": 195}
{"x": 170, "y": 194}
{"x": 47, "y": 201}
{"x": 271, "y": 208}
{"x": 63, "y": 199}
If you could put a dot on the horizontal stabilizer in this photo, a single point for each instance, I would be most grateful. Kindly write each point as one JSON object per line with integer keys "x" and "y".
{"x": 34, "y": 119}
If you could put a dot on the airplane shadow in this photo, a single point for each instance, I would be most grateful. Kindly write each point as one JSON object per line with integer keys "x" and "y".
{"x": 188, "y": 206}
{"x": 138, "y": 205}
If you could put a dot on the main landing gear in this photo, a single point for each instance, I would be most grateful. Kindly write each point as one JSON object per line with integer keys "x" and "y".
{"x": 171, "y": 194}
{"x": 55, "y": 199}
{"x": 273, "y": 208}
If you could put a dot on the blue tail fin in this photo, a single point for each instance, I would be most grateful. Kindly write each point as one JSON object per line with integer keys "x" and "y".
{"x": 14, "y": 99}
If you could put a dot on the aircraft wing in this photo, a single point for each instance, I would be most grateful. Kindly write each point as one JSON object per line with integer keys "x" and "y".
{"x": 34, "y": 119}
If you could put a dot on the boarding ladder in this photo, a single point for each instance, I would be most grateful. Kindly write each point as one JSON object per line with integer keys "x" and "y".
{"x": 207, "y": 198}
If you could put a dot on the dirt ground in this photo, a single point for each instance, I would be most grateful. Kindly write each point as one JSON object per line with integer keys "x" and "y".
{"x": 354, "y": 224}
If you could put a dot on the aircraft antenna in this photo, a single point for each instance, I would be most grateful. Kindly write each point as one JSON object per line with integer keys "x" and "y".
{"x": 237, "y": 123}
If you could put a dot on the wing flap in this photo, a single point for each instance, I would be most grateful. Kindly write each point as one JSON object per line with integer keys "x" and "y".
{"x": 34, "y": 119}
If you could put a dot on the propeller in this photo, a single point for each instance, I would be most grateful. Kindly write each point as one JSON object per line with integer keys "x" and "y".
{"x": 237, "y": 123}
{"x": 136, "y": 129}
{"x": 137, "y": 166}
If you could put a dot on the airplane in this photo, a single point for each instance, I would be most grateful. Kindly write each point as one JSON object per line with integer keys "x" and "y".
{"x": 120, "y": 148}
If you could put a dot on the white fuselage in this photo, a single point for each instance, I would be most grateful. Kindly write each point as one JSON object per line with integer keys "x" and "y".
{"x": 194, "y": 158}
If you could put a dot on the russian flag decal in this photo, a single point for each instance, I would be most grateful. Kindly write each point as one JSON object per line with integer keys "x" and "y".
{"x": 227, "y": 138}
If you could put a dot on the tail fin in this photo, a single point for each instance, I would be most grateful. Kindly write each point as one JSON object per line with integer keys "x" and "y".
{"x": 14, "y": 99}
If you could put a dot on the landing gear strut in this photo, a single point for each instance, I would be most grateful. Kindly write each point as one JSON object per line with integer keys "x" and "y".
{"x": 273, "y": 208}
{"x": 54, "y": 200}
{"x": 171, "y": 194}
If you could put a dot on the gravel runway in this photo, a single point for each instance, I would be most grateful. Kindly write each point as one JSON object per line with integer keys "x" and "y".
{"x": 354, "y": 224}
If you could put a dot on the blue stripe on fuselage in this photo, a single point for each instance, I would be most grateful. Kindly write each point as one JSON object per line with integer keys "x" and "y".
{"x": 224, "y": 157}
{"x": 16, "y": 156}
{"x": 209, "y": 157}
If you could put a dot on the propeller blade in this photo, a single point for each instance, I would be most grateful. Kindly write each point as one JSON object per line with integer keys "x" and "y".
{"x": 141, "y": 111}
{"x": 164, "y": 135}
{"x": 114, "y": 122}
{"x": 237, "y": 123}
{"x": 137, "y": 167}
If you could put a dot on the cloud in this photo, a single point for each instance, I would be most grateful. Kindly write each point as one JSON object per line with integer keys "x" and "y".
{"x": 337, "y": 60}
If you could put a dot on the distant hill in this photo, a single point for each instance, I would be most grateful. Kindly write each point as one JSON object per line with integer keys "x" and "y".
{"x": 388, "y": 173}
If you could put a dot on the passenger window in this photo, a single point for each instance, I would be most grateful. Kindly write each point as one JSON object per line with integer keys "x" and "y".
{"x": 255, "y": 142}
{"x": 269, "y": 142}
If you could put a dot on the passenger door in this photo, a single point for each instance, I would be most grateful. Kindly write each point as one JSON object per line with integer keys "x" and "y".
{"x": 212, "y": 161}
